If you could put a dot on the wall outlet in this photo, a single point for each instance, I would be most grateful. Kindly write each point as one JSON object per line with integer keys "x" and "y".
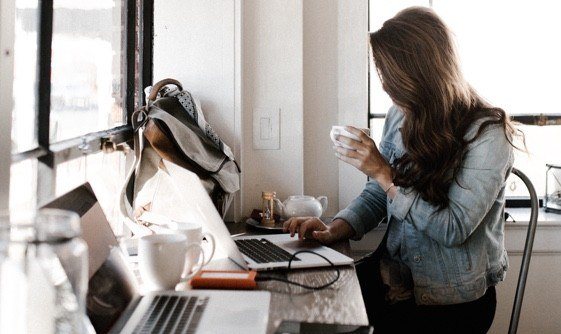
{"x": 266, "y": 129}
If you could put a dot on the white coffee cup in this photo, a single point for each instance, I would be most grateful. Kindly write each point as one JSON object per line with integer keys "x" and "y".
{"x": 163, "y": 258}
{"x": 339, "y": 130}
{"x": 195, "y": 235}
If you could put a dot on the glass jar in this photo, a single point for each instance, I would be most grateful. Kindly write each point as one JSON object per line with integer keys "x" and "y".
{"x": 553, "y": 188}
{"x": 268, "y": 208}
{"x": 43, "y": 273}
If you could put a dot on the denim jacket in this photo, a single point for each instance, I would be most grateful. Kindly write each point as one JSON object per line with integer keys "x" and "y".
{"x": 456, "y": 253}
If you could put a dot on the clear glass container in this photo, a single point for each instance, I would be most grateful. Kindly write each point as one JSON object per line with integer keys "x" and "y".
{"x": 553, "y": 188}
{"x": 268, "y": 208}
{"x": 43, "y": 273}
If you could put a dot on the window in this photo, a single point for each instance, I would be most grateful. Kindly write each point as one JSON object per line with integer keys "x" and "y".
{"x": 508, "y": 54}
{"x": 87, "y": 65}
{"x": 24, "y": 129}
{"x": 79, "y": 66}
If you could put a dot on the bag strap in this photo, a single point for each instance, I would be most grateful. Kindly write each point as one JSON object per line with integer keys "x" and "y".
{"x": 160, "y": 84}
{"x": 139, "y": 118}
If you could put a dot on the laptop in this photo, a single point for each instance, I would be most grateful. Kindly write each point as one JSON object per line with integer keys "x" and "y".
{"x": 257, "y": 252}
{"x": 114, "y": 304}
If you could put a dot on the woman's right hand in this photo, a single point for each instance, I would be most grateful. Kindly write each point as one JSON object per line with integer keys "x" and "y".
{"x": 314, "y": 228}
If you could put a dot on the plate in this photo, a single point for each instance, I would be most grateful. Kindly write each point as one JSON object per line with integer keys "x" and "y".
{"x": 277, "y": 228}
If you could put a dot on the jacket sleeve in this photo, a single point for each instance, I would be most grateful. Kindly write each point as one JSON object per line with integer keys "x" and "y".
{"x": 482, "y": 176}
{"x": 366, "y": 211}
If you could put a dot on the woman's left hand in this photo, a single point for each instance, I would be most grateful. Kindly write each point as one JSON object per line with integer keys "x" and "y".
{"x": 364, "y": 155}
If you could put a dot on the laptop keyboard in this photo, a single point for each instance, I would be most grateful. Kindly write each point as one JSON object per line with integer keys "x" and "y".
{"x": 172, "y": 314}
{"x": 263, "y": 251}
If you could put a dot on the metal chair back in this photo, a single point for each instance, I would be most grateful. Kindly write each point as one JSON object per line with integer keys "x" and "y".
{"x": 524, "y": 267}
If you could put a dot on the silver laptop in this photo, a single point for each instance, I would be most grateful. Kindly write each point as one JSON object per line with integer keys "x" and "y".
{"x": 115, "y": 306}
{"x": 258, "y": 252}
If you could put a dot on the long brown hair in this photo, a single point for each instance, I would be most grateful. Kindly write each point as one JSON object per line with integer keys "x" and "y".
{"x": 416, "y": 60}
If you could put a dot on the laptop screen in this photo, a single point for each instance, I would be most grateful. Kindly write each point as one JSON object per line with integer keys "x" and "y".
{"x": 112, "y": 285}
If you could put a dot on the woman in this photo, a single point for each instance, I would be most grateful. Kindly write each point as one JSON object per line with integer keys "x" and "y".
{"x": 439, "y": 177}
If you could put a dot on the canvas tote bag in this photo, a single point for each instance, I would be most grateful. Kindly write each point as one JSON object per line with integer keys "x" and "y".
{"x": 172, "y": 126}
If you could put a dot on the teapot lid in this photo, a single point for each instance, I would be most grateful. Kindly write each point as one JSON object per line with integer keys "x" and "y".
{"x": 301, "y": 197}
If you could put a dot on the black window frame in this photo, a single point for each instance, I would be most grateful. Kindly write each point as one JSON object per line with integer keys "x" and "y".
{"x": 138, "y": 58}
{"x": 536, "y": 119}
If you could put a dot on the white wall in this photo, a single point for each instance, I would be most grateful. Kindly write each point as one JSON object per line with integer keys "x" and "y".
{"x": 272, "y": 70}
{"x": 194, "y": 42}
{"x": 540, "y": 309}
{"x": 310, "y": 56}
{"x": 321, "y": 99}
{"x": 353, "y": 85}
{"x": 7, "y": 17}
{"x": 306, "y": 58}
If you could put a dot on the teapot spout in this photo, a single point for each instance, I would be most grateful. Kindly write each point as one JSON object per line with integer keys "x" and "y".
{"x": 323, "y": 201}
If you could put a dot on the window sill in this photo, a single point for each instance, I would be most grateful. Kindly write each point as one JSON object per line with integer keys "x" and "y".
{"x": 548, "y": 232}
{"x": 522, "y": 217}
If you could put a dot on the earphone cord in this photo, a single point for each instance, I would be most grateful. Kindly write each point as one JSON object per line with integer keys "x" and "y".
{"x": 263, "y": 277}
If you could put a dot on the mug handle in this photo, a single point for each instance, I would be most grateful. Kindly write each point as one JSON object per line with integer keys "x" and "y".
{"x": 199, "y": 265}
{"x": 213, "y": 242}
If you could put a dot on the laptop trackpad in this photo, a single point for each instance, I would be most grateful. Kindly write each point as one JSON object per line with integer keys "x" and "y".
{"x": 296, "y": 245}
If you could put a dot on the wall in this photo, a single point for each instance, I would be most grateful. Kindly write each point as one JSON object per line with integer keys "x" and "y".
{"x": 321, "y": 99}
{"x": 272, "y": 79}
{"x": 194, "y": 42}
{"x": 540, "y": 307}
{"x": 7, "y": 17}
{"x": 308, "y": 59}
{"x": 310, "y": 56}
{"x": 353, "y": 85}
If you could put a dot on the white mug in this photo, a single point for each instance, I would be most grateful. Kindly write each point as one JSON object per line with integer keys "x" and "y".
{"x": 195, "y": 235}
{"x": 339, "y": 130}
{"x": 163, "y": 258}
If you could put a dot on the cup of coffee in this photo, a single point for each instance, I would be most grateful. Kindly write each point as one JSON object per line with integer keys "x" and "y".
{"x": 164, "y": 258}
{"x": 339, "y": 130}
{"x": 195, "y": 235}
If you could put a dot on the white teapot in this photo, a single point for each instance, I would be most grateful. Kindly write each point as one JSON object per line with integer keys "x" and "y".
{"x": 302, "y": 206}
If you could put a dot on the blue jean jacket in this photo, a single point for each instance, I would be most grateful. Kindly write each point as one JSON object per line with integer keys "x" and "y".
{"x": 456, "y": 253}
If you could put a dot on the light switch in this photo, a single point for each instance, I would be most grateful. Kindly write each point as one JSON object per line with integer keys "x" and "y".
{"x": 266, "y": 128}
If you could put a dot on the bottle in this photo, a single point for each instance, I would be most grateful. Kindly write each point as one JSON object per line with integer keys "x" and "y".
{"x": 44, "y": 272}
{"x": 268, "y": 210}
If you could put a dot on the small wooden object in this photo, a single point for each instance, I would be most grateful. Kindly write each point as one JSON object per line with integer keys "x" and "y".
{"x": 268, "y": 208}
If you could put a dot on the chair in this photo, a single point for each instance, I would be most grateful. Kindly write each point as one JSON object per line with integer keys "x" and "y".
{"x": 524, "y": 267}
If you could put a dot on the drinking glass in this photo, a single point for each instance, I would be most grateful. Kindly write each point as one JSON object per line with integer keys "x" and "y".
{"x": 43, "y": 273}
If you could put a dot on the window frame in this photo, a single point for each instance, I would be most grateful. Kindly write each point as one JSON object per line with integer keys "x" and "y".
{"x": 536, "y": 119}
{"x": 138, "y": 61}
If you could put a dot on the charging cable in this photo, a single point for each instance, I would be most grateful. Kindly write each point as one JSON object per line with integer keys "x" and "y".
{"x": 267, "y": 277}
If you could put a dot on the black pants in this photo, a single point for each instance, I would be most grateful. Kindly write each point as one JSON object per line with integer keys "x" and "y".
{"x": 406, "y": 317}
{"x": 470, "y": 318}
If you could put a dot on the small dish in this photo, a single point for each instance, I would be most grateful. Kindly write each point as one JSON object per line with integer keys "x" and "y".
{"x": 277, "y": 228}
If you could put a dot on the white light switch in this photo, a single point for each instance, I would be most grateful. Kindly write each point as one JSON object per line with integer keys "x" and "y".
{"x": 266, "y": 128}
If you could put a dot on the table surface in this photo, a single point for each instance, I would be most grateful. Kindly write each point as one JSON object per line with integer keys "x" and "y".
{"x": 340, "y": 303}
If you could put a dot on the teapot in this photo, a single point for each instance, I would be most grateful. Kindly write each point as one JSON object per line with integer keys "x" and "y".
{"x": 302, "y": 206}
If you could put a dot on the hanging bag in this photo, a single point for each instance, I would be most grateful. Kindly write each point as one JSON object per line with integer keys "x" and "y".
{"x": 172, "y": 126}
